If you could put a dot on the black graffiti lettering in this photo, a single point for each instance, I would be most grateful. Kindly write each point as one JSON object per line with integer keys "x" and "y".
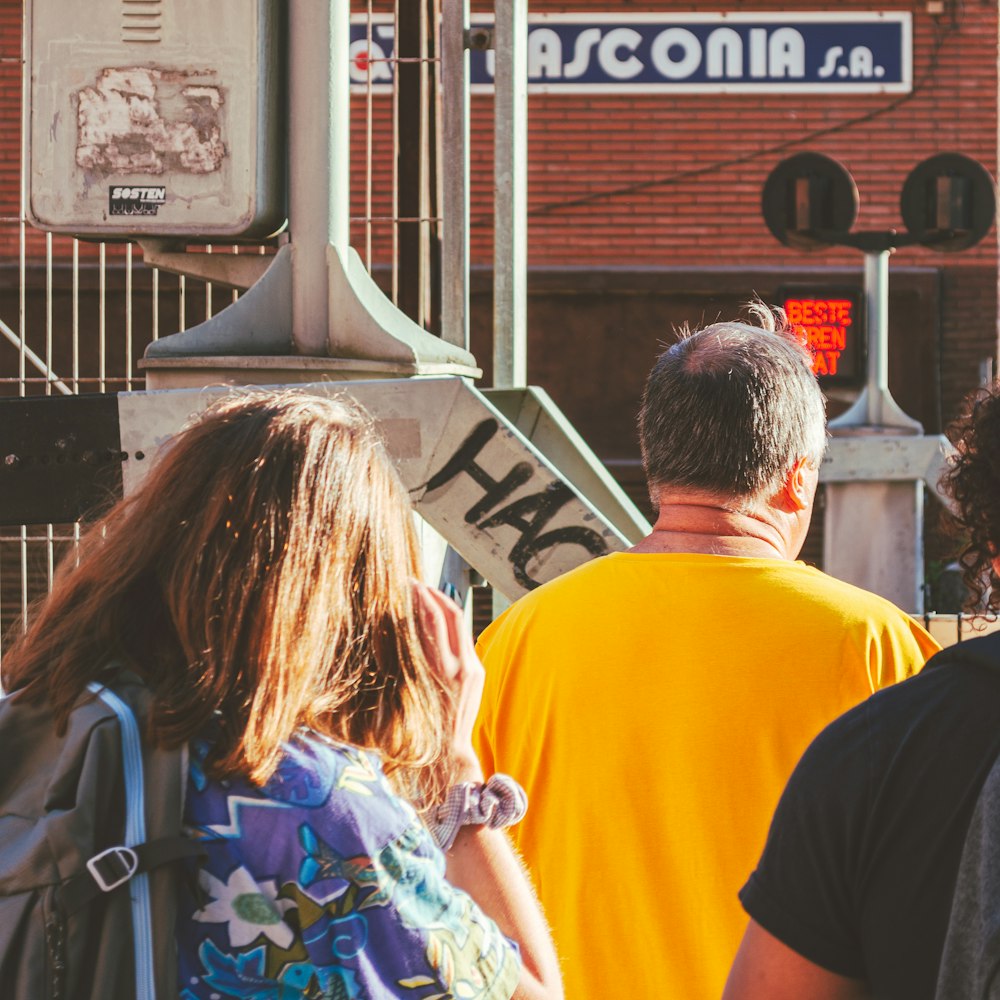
{"x": 464, "y": 460}
{"x": 525, "y": 550}
{"x": 529, "y": 515}
{"x": 544, "y": 506}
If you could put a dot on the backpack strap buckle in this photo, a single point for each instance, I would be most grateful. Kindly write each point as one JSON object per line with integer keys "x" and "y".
{"x": 116, "y": 865}
{"x": 113, "y": 867}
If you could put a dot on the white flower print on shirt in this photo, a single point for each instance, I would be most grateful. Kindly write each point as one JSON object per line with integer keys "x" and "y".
{"x": 249, "y": 908}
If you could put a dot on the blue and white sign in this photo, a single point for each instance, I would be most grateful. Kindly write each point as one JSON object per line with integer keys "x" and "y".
{"x": 853, "y": 52}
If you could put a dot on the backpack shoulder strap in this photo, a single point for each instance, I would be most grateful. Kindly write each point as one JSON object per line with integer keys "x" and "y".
{"x": 114, "y": 866}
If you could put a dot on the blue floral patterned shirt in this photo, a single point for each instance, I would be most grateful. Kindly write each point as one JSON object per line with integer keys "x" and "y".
{"x": 325, "y": 884}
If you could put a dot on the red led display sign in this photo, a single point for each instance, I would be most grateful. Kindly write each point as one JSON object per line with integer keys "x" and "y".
{"x": 829, "y": 324}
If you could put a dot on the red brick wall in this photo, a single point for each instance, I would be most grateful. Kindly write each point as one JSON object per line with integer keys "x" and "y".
{"x": 705, "y": 157}
{"x": 702, "y": 207}
{"x": 701, "y": 204}
{"x": 10, "y": 125}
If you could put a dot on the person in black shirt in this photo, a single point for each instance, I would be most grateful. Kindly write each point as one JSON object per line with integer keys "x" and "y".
{"x": 852, "y": 894}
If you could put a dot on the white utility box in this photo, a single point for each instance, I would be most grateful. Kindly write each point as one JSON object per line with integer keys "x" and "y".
{"x": 156, "y": 117}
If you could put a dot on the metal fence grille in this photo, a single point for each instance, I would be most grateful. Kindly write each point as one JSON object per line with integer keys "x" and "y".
{"x": 76, "y": 316}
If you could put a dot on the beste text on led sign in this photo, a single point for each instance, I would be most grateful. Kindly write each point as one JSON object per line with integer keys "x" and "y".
{"x": 828, "y": 327}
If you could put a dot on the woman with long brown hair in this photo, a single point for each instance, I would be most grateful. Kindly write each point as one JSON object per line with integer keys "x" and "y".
{"x": 261, "y": 582}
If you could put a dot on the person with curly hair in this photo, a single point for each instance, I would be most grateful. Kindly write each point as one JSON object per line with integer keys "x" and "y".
{"x": 973, "y": 484}
{"x": 852, "y": 894}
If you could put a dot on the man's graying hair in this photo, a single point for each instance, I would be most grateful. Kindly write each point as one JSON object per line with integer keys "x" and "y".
{"x": 728, "y": 410}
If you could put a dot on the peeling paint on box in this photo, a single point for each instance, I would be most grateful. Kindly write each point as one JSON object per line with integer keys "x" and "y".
{"x": 150, "y": 121}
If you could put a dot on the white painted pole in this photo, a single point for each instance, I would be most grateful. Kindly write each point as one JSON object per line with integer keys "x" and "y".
{"x": 455, "y": 173}
{"x": 510, "y": 257}
{"x": 318, "y": 158}
{"x": 877, "y": 317}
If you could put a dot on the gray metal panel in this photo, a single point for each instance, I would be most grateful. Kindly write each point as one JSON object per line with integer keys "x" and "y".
{"x": 472, "y": 476}
{"x": 534, "y": 413}
{"x": 163, "y": 118}
{"x": 483, "y": 486}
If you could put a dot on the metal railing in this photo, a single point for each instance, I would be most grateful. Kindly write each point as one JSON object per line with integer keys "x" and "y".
{"x": 76, "y": 316}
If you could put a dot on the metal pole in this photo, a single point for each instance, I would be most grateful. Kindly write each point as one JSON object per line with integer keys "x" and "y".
{"x": 411, "y": 121}
{"x": 874, "y": 529}
{"x": 510, "y": 369}
{"x": 877, "y": 317}
{"x": 455, "y": 173}
{"x": 318, "y": 159}
{"x": 337, "y": 149}
{"x": 875, "y": 407}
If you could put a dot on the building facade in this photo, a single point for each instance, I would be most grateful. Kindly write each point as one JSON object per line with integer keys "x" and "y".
{"x": 652, "y": 129}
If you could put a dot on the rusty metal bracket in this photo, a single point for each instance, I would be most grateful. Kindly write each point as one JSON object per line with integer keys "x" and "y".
{"x": 479, "y": 38}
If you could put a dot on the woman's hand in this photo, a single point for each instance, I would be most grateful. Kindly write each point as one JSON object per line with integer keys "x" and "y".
{"x": 481, "y": 861}
{"x": 451, "y": 653}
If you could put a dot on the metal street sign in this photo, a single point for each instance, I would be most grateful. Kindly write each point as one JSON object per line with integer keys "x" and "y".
{"x": 473, "y": 470}
{"x": 859, "y": 52}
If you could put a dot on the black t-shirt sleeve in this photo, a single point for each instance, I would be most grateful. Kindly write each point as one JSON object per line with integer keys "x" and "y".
{"x": 803, "y": 890}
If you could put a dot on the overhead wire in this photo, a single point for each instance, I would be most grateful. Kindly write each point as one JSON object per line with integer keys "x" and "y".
{"x": 941, "y": 36}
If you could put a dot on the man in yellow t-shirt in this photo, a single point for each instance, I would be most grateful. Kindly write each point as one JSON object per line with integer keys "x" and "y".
{"x": 654, "y": 702}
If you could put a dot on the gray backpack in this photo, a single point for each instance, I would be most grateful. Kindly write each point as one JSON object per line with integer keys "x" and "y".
{"x": 88, "y": 823}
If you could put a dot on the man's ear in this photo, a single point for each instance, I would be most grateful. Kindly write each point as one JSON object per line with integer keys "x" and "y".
{"x": 797, "y": 488}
